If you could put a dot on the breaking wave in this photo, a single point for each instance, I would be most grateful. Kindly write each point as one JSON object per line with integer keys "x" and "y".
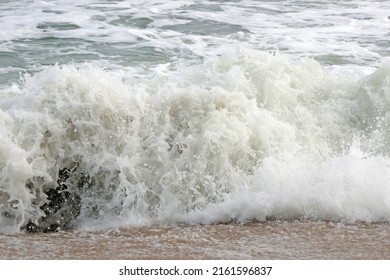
{"x": 246, "y": 136}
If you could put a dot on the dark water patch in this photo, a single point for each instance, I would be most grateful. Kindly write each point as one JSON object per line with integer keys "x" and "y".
{"x": 206, "y": 27}
{"x": 102, "y": 7}
{"x": 60, "y": 26}
{"x": 131, "y": 21}
{"x": 99, "y": 17}
{"x": 203, "y": 8}
{"x": 357, "y": 16}
{"x": 147, "y": 54}
{"x": 49, "y": 41}
{"x": 56, "y": 12}
{"x": 334, "y": 59}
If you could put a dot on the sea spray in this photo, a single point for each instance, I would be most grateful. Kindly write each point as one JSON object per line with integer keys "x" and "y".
{"x": 246, "y": 136}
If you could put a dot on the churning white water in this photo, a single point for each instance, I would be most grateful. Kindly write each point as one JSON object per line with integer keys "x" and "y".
{"x": 248, "y": 135}
{"x": 193, "y": 113}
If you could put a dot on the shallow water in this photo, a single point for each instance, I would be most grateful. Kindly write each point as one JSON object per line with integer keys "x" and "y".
{"x": 268, "y": 240}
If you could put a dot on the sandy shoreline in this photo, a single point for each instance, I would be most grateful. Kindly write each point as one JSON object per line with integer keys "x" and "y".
{"x": 268, "y": 240}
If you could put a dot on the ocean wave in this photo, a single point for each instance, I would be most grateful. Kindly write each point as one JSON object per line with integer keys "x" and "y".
{"x": 245, "y": 136}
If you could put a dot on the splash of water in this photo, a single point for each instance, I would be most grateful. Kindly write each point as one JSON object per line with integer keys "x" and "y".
{"x": 249, "y": 135}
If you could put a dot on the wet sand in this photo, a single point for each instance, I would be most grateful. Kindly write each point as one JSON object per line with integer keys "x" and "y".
{"x": 267, "y": 240}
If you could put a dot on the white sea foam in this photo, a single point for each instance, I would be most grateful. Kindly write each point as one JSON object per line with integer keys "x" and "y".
{"x": 248, "y": 135}
{"x": 130, "y": 32}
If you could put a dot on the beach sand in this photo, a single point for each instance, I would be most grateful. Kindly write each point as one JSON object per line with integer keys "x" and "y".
{"x": 266, "y": 240}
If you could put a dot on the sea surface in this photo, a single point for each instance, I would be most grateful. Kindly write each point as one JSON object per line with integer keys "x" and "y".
{"x": 187, "y": 129}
